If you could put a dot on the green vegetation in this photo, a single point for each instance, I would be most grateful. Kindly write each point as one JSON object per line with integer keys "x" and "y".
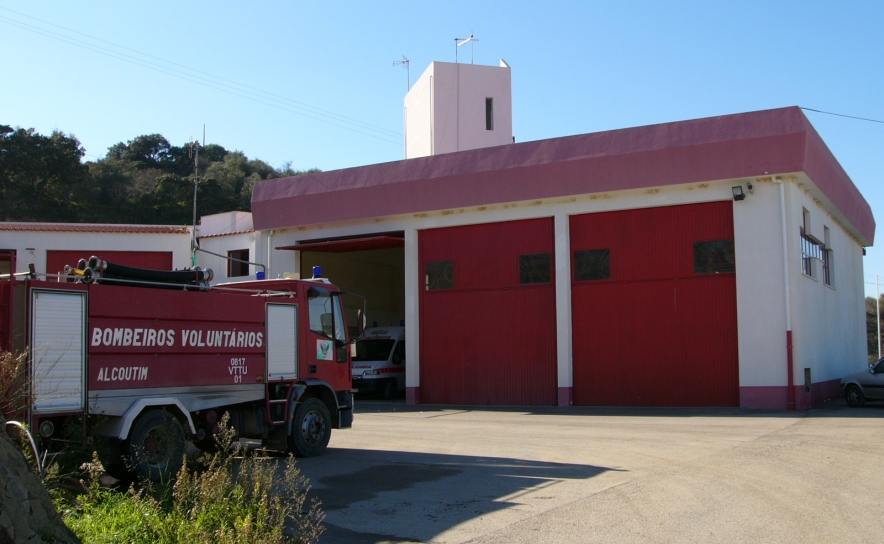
{"x": 231, "y": 496}
{"x": 145, "y": 180}
{"x": 872, "y": 327}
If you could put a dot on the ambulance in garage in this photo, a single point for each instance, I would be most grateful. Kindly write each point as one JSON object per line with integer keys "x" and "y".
{"x": 379, "y": 364}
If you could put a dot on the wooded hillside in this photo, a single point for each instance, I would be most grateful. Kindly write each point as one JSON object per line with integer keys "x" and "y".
{"x": 145, "y": 180}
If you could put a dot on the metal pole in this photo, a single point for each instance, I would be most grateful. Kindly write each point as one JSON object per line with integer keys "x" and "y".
{"x": 196, "y": 170}
{"x": 878, "y": 313}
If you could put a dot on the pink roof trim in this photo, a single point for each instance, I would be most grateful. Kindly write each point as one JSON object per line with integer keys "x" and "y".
{"x": 724, "y": 147}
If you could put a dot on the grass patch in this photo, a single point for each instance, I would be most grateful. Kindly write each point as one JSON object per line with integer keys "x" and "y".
{"x": 231, "y": 496}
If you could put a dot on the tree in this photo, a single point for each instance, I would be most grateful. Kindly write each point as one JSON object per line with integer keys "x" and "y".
{"x": 41, "y": 177}
{"x": 872, "y": 328}
{"x": 145, "y": 180}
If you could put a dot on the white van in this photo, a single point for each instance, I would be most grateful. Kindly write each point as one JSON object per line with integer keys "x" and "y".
{"x": 379, "y": 364}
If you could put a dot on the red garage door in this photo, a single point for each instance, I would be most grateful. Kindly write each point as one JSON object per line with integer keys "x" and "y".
{"x": 654, "y": 307}
{"x": 487, "y": 314}
{"x": 154, "y": 260}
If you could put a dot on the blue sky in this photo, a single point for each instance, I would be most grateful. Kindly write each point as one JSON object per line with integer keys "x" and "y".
{"x": 324, "y": 92}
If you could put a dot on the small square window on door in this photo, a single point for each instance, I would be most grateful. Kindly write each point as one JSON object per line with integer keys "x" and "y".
{"x": 592, "y": 265}
{"x": 535, "y": 268}
{"x": 716, "y": 257}
{"x": 440, "y": 275}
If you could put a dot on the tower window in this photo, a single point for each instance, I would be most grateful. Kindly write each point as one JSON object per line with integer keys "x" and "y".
{"x": 489, "y": 114}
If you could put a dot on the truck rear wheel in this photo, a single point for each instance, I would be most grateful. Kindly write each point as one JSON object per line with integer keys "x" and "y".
{"x": 156, "y": 446}
{"x": 311, "y": 428}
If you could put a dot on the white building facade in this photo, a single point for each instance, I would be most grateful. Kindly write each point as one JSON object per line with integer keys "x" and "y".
{"x": 797, "y": 324}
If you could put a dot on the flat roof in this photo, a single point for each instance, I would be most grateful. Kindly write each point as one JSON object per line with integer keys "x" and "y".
{"x": 742, "y": 145}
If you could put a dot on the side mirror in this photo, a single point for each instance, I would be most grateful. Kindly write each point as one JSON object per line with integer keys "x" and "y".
{"x": 352, "y": 349}
{"x": 360, "y": 317}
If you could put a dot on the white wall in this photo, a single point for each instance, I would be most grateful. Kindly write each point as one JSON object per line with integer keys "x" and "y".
{"x": 221, "y": 244}
{"x": 225, "y": 223}
{"x": 828, "y": 322}
{"x": 761, "y": 300}
{"x": 42, "y": 241}
{"x": 445, "y": 110}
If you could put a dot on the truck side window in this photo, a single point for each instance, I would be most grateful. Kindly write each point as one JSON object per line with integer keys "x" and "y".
{"x": 320, "y": 304}
{"x": 400, "y": 351}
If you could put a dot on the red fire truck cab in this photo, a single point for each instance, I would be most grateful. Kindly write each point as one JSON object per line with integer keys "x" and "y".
{"x": 153, "y": 363}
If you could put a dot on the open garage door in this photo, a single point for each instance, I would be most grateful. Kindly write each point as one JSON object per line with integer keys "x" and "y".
{"x": 487, "y": 314}
{"x": 654, "y": 307}
{"x": 372, "y": 266}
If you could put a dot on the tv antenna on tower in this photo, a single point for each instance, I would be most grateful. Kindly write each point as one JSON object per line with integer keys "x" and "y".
{"x": 405, "y": 62}
{"x": 461, "y": 41}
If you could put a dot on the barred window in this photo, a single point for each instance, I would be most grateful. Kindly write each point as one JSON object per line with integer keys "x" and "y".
{"x": 535, "y": 268}
{"x": 810, "y": 250}
{"x": 715, "y": 257}
{"x": 592, "y": 265}
{"x": 440, "y": 275}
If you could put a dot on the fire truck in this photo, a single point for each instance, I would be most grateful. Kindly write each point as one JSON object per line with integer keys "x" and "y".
{"x": 151, "y": 359}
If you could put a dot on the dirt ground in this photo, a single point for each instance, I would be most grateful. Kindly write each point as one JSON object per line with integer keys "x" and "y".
{"x": 511, "y": 475}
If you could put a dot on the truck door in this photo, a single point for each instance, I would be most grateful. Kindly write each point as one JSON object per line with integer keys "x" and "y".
{"x": 282, "y": 342}
{"x": 326, "y": 350}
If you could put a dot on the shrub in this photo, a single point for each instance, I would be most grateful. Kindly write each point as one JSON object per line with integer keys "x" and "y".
{"x": 229, "y": 497}
{"x": 13, "y": 384}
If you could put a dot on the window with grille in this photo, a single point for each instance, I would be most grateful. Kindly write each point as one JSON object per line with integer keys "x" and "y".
{"x": 535, "y": 268}
{"x": 592, "y": 265}
{"x": 440, "y": 275}
{"x": 828, "y": 257}
{"x": 715, "y": 257}
{"x": 810, "y": 250}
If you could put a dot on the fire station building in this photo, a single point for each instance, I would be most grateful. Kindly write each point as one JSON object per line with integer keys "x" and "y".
{"x": 710, "y": 262}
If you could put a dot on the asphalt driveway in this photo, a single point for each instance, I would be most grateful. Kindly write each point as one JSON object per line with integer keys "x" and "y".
{"x": 504, "y": 475}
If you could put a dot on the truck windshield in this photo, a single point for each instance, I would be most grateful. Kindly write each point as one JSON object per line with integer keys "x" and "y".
{"x": 373, "y": 350}
{"x": 320, "y": 304}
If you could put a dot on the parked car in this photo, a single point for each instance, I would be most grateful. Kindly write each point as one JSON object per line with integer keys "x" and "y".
{"x": 865, "y": 385}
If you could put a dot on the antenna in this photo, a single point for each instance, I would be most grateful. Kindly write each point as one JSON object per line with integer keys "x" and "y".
{"x": 405, "y": 62}
{"x": 461, "y": 41}
{"x": 195, "y": 151}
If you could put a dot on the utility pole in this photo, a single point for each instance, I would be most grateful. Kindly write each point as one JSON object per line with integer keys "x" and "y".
{"x": 195, "y": 153}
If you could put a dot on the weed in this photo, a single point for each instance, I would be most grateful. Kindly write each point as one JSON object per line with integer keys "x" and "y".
{"x": 229, "y": 497}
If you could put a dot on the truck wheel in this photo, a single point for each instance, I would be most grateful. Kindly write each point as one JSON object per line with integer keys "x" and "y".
{"x": 311, "y": 428}
{"x": 390, "y": 389}
{"x": 156, "y": 446}
{"x": 110, "y": 454}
